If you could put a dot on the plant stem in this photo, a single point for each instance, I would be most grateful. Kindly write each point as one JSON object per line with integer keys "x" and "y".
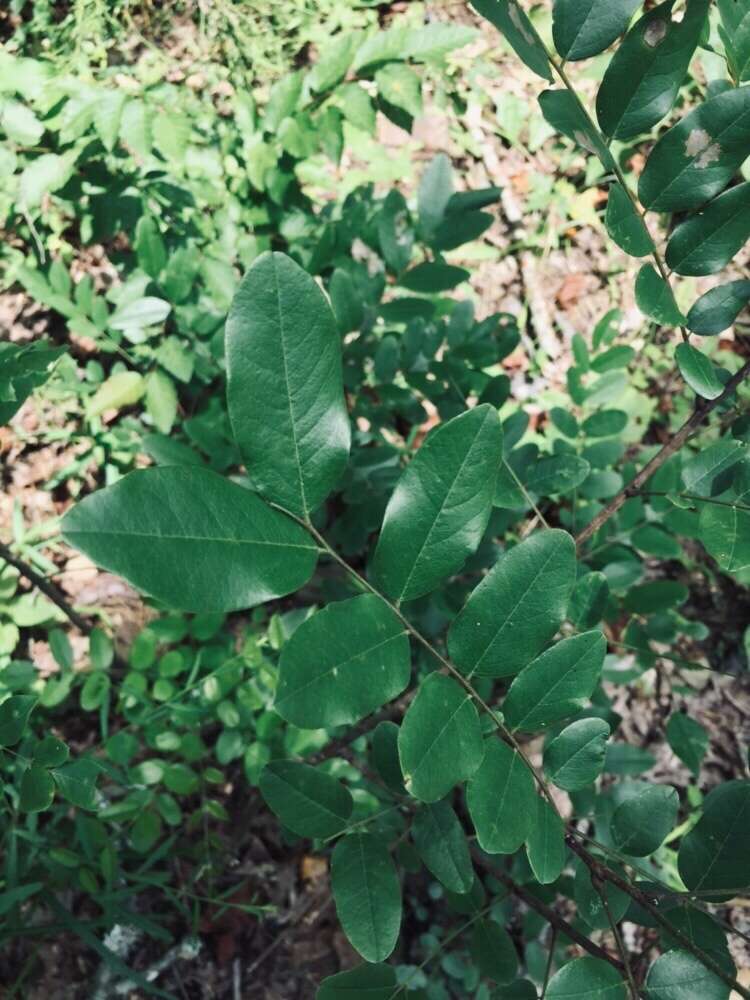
{"x": 46, "y": 587}
{"x": 695, "y": 499}
{"x": 672, "y": 446}
{"x": 602, "y": 891}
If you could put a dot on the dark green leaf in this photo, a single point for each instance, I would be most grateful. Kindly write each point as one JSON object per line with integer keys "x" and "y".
{"x": 697, "y": 157}
{"x": 224, "y": 547}
{"x": 14, "y": 716}
{"x": 707, "y": 242}
{"x": 715, "y": 854}
{"x": 725, "y": 531}
{"x": 680, "y": 975}
{"x": 557, "y": 684}
{"x": 717, "y": 309}
{"x": 605, "y": 423}
{"x": 343, "y": 663}
{"x": 432, "y": 277}
{"x": 76, "y": 782}
{"x": 586, "y": 979}
{"x": 512, "y": 21}
{"x": 385, "y": 755}
{"x": 565, "y": 113}
{"x": 657, "y": 595}
{"x": 688, "y": 739}
{"x": 545, "y": 844}
{"x": 581, "y": 28}
{"x": 709, "y": 471}
{"x": 625, "y": 225}
{"x": 501, "y": 800}
{"x": 517, "y": 608}
{"x": 734, "y": 30}
{"x": 305, "y": 799}
{"x": 589, "y": 600}
{"x": 493, "y": 950}
{"x": 440, "y": 740}
{"x": 367, "y": 895}
{"x": 50, "y": 752}
{"x": 37, "y": 789}
{"x": 698, "y": 371}
{"x": 644, "y": 818}
{"x": 589, "y": 902}
{"x": 441, "y": 505}
{"x": 655, "y": 298}
{"x": 284, "y": 384}
{"x": 557, "y": 474}
{"x": 641, "y": 82}
{"x": 442, "y": 845}
{"x": 367, "y": 982}
{"x": 575, "y": 758}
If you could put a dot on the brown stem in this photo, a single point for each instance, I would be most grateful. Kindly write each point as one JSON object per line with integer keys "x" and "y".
{"x": 691, "y": 425}
{"x": 48, "y": 589}
{"x": 602, "y": 892}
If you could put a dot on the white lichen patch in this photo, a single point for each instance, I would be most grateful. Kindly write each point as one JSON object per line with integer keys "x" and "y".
{"x": 709, "y": 155}
{"x": 655, "y": 33}
{"x": 515, "y": 17}
{"x": 699, "y": 145}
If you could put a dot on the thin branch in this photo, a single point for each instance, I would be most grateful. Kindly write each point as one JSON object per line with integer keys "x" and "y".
{"x": 46, "y": 587}
{"x": 602, "y": 892}
{"x": 694, "y": 499}
{"x": 672, "y": 446}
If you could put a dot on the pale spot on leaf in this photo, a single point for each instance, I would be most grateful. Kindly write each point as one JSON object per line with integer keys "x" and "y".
{"x": 654, "y": 33}
{"x": 708, "y": 156}
{"x": 697, "y": 141}
{"x": 515, "y": 17}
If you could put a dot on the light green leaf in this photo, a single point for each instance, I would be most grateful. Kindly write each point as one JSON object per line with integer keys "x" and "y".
{"x": 698, "y": 371}
{"x": 575, "y": 758}
{"x": 37, "y": 789}
{"x": 400, "y": 86}
{"x": 557, "y": 684}
{"x": 226, "y": 549}
{"x": 333, "y": 61}
{"x": 697, "y": 157}
{"x": 343, "y": 663}
{"x": 19, "y": 123}
{"x": 435, "y": 191}
{"x": 308, "y": 801}
{"x": 366, "y": 982}
{"x": 625, "y": 225}
{"x": 715, "y": 854}
{"x": 708, "y": 241}
{"x": 581, "y": 28}
{"x": 646, "y": 72}
{"x": 161, "y": 400}
{"x": 119, "y": 390}
{"x": 517, "y": 607}
{"x": 586, "y": 979}
{"x": 439, "y": 510}
{"x": 688, "y": 739}
{"x": 283, "y": 100}
{"x": 717, "y": 309}
{"x": 144, "y": 312}
{"x": 440, "y": 739}
{"x": 367, "y": 894}
{"x": 43, "y": 175}
{"x": 502, "y": 800}
{"x": 149, "y": 246}
{"x": 680, "y": 975}
{"x": 545, "y": 844}
{"x": 513, "y": 22}
{"x": 284, "y": 384}
{"x": 644, "y": 818}
{"x": 655, "y": 297}
{"x": 493, "y": 950}
{"x": 442, "y": 846}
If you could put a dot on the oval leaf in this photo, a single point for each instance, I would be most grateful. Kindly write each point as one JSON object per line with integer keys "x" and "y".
{"x": 586, "y": 979}
{"x": 545, "y": 844}
{"x": 680, "y": 975}
{"x": 502, "y": 800}
{"x": 442, "y": 845}
{"x": 644, "y": 818}
{"x": 655, "y": 298}
{"x": 493, "y": 950}
{"x": 514, "y": 24}
{"x": 576, "y": 757}
{"x": 581, "y": 28}
{"x": 625, "y": 225}
{"x": 307, "y": 801}
{"x": 367, "y": 894}
{"x": 224, "y": 547}
{"x": 717, "y": 309}
{"x": 706, "y": 243}
{"x": 698, "y": 371}
{"x": 284, "y": 384}
{"x": 373, "y": 982}
{"x": 715, "y": 854}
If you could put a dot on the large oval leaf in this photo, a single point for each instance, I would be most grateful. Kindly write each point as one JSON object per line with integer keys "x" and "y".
{"x": 697, "y": 157}
{"x": 698, "y": 371}
{"x": 642, "y": 80}
{"x": 545, "y": 844}
{"x": 625, "y": 225}
{"x": 680, "y": 975}
{"x": 715, "y": 854}
{"x": 575, "y": 758}
{"x": 513, "y": 22}
{"x": 367, "y": 982}
{"x": 586, "y": 979}
{"x": 442, "y": 845}
{"x": 343, "y": 663}
{"x": 517, "y": 608}
{"x": 581, "y": 28}
{"x": 367, "y": 894}
{"x": 284, "y": 384}
{"x": 718, "y": 308}
{"x": 441, "y": 505}
{"x": 440, "y": 740}
{"x": 557, "y": 684}
{"x": 644, "y": 818}
{"x": 705, "y": 243}
{"x": 308, "y": 801}
{"x": 192, "y": 539}
{"x": 502, "y": 800}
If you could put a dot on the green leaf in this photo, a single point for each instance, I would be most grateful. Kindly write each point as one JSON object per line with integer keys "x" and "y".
{"x": 576, "y": 757}
{"x": 434, "y": 40}
{"x": 717, "y": 309}
{"x": 605, "y": 423}
{"x": 366, "y": 982}
{"x": 385, "y": 755}
{"x": 307, "y": 801}
{"x": 50, "y": 752}
{"x": 76, "y": 782}
{"x": 646, "y": 72}
{"x": 44, "y": 175}
{"x": 556, "y": 684}
{"x": 442, "y": 846}
{"x": 688, "y": 739}
{"x": 455, "y": 230}
{"x": 708, "y": 241}
{"x": 501, "y": 800}
{"x": 644, "y": 818}
{"x": 142, "y": 313}
{"x": 589, "y": 600}
{"x": 284, "y": 384}
{"x": 435, "y": 191}
{"x": 586, "y": 979}
{"x": 283, "y": 100}
{"x": 149, "y": 246}
{"x": 557, "y": 474}
{"x": 512, "y": 21}
{"x": 697, "y": 157}
{"x": 517, "y": 607}
{"x": 656, "y": 595}
{"x": 440, "y": 740}
{"x": 545, "y": 844}
{"x": 343, "y": 663}
{"x": 19, "y": 123}
{"x": 334, "y": 60}
{"x": 12, "y": 897}
{"x": 680, "y": 975}
{"x": 715, "y": 854}
{"x": 734, "y": 30}
{"x": 37, "y": 789}
{"x": 564, "y": 112}
{"x": 401, "y": 87}
{"x": 625, "y": 225}
{"x": 725, "y": 531}
{"x": 119, "y": 390}
{"x": 493, "y": 950}
{"x": 589, "y": 902}
{"x": 367, "y": 894}
{"x": 439, "y": 510}
{"x": 432, "y": 277}
{"x": 655, "y": 298}
{"x": 581, "y": 28}
{"x": 14, "y": 716}
{"x": 698, "y": 371}
{"x": 161, "y": 400}
{"x": 708, "y": 472}
{"x": 224, "y": 547}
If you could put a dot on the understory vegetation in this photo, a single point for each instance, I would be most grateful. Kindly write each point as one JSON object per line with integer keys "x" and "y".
{"x": 375, "y": 526}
